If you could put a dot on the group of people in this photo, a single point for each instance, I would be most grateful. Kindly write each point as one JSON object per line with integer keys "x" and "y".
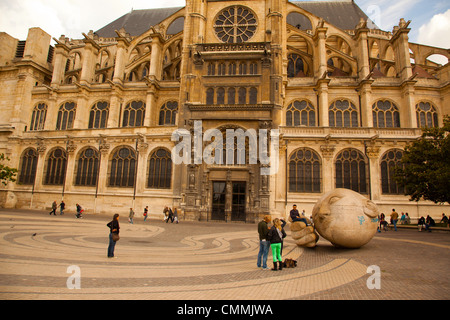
{"x": 272, "y": 238}
{"x": 405, "y": 219}
{"x": 62, "y": 206}
{"x": 170, "y": 214}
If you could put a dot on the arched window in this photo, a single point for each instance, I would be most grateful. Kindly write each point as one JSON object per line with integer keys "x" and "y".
{"x": 66, "y": 116}
{"x": 56, "y": 167}
{"x": 28, "y": 166}
{"x": 160, "y": 170}
{"x": 352, "y": 171}
{"x": 390, "y": 161}
{"x": 253, "y": 96}
{"x": 304, "y": 171}
{"x": 296, "y": 66}
{"x": 168, "y": 113}
{"x": 300, "y": 113}
{"x": 242, "y": 68}
{"x": 242, "y": 95}
{"x": 253, "y": 68}
{"x": 232, "y": 68}
{"x": 210, "y": 96}
{"x": 221, "y": 69}
{"x": 343, "y": 114}
{"x": 211, "y": 69}
{"x": 98, "y": 117}
{"x": 123, "y": 168}
{"x": 385, "y": 115}
{"x": 231, "y": 95}
{"x": 220, "y": 96}
{"x": 426, "y": 115}
{"x": 87, "y": 168}
{"x": 134, "y": 114}
{"x": 38, "y": 117}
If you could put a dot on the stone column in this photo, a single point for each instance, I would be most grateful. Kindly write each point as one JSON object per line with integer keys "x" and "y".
{"x": 327, "y": 167}
{"x": 373, "y": 152}
{"x": 59, "y": 64}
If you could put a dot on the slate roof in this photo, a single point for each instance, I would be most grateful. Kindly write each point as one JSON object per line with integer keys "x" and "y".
{"x": 137, "y": 22}
{"x": 344, "y": 14}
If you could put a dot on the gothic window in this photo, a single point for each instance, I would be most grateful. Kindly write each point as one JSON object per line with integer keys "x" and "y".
{"x": 301, "y": 113}
{"x": 253, "y": 96}
{"x": 28, "y": 166}
{"x": 352, "y": 171}
{"x": 390, "y": 161}
{"x": 38, "y": 117}
{"x": 385, "y": 115}
{"x": 295, "y": 66}
{"x": 98, "y": 117}
{"x": 242, "y": 96}
{"x": 253, "y": 68}
{"x": 304, "y": 171}
{"x": 211, "y": 69}
{"x": 231, "y": 95}
{"x": 232, "y": 68}
{"x": 123, "y": 168}
{"x": 134, "y": 114}
{"x": 168, "y": 113}
{"x": 343, "y": 114}
{"x": 160, "y": 170}
{"x": 242, "y": 68}
{"x": 87, "y": 168}
{"x": 210, "y": 96}
{"x": 66, "y": 116}
{"x": 220, "y": 96}
{"x": 235, "y": 24}
{"x": 56, "y": 167}
{"x": 221, "y": 69}
{"x": 426, "y": 115}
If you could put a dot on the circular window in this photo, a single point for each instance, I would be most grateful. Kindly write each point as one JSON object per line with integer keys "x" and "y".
{"x": 235, "y": 24}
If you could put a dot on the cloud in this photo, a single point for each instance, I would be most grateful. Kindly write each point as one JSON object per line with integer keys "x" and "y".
{"x": 435, "y": 32}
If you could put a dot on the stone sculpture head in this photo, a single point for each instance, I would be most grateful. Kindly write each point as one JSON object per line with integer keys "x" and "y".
{"x": 345, "y": 218}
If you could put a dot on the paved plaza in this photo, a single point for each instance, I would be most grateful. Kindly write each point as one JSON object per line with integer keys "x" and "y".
{"x": 60, "y": 257}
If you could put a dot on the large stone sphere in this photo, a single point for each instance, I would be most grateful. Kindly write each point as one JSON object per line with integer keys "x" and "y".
{"x": 345, "y": 218}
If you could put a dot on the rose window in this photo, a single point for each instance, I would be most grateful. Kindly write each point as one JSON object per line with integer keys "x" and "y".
{"x": 235, "y": 24}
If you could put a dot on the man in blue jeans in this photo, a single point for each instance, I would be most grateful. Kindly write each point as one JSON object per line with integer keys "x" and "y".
{"x": 263, "y": 230}
{"x": 295, "y": 216}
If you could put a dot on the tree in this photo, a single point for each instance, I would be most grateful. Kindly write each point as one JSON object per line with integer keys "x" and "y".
{"x": 6, "y": 173}
{"x": 426, "y": 166}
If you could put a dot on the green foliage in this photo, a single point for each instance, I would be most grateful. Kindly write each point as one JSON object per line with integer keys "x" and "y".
{"x": 6, "y": 173}
{"x": 426, "y": 172}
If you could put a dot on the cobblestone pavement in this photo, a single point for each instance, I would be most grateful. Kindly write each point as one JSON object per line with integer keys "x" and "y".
{"x": 42, "y": 255}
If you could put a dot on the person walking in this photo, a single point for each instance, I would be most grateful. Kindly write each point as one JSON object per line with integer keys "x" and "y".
{"x": 394, "y": 218}
{"x": 131, "y": 216}
{"x": 145, "y": 213}
{"x": 175, "y": 214}
{"x": 275, "y": 236}
{"x": 114, "y": 228}
{"x": 170, "y": 216}
{"x": 79, "y": 211}
{"x": 263, "y": 230}
{"x": 62, "y": 205}
{"x": 54, "y": 206}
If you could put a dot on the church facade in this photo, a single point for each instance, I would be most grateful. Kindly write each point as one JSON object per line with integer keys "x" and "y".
{"x": 95, "y": 120}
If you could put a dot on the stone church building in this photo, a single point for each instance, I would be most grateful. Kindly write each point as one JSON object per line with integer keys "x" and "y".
{"x": 92, "y": 120}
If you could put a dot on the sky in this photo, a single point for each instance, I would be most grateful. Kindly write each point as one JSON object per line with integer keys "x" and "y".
{"x": 430, "y": 19}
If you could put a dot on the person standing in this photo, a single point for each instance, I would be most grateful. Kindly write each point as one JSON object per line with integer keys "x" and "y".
{"x": 54, "y": 206}
{"x": 145, "y": 213}
{"x": 275, "y": 236}
{"x": 131, "y": 216}
{"x": 394, "y": 218}
{"x": 263, "y": 230}
{"x": 62, "y": 205}
{"x": 114, "y": 228}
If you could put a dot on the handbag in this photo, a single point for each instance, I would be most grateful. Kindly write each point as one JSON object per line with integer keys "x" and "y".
{"x": 115, "y": 237}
